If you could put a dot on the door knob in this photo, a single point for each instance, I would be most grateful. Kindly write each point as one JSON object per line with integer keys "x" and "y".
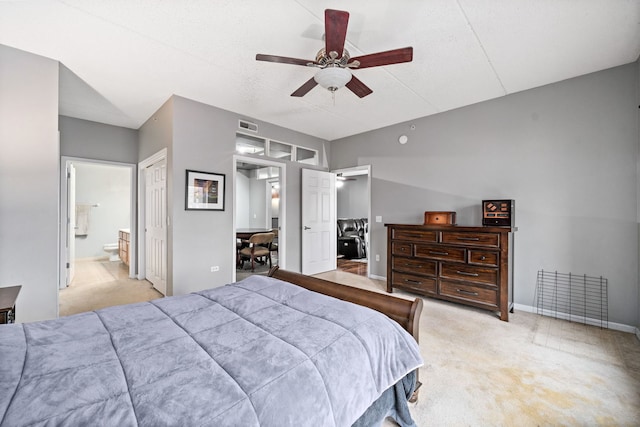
{"x": 307, "y": 228}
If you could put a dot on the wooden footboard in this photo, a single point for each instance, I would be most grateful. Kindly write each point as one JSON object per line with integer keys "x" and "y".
{"x": 405, "y": 312}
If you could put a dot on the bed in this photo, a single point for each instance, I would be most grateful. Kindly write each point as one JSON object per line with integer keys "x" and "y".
{"x": 287, "y": 349}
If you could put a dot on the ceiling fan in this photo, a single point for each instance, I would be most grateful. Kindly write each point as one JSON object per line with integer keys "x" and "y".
{"x": 334, "y": 61}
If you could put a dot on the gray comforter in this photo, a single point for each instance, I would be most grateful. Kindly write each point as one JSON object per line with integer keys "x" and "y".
{"x": 256, "y": 352}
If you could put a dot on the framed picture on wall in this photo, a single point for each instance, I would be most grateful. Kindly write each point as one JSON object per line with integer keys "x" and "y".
{"x": 204, "y": 191}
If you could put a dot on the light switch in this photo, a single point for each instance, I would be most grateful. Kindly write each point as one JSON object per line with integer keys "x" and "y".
{"x": 378, "y": 218}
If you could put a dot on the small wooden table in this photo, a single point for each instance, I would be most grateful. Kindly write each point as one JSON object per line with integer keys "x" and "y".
{"x": 8, "y": 298}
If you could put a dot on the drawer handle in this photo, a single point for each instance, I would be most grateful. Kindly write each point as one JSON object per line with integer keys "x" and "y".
{"x": 406, "y": 264}
{"x": 417, "y": 282}
{"x": 482, "y": 258}
{"x": 414, "y": 236}
{"x": 473, "y": 239}
{"x": 462, "y": 291}
{"x": 438, "y": 253}
{"x": 464, "y": 273}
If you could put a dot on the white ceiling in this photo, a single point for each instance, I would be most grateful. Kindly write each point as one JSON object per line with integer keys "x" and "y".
{"x": 124, "y": 58}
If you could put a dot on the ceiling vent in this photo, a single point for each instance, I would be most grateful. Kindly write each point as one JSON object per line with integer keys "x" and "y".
{"x": 243, "y": 124}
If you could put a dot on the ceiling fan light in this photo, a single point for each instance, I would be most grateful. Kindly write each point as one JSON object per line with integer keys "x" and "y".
{"x": 332, "y": 78}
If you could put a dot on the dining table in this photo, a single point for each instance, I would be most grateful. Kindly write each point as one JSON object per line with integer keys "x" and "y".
{"x": 246, "y": 233}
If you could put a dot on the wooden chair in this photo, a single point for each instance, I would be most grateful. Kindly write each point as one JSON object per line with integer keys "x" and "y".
{"x": 259, "y": 246}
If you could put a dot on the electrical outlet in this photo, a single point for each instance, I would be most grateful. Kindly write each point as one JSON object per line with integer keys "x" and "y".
{"x": 377, "y": 257}
{"x": 378, "y": 218}
{"x": 215, "y": 268}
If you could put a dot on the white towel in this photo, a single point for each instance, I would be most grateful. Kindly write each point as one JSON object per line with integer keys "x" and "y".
{"x": 83, "y": 212}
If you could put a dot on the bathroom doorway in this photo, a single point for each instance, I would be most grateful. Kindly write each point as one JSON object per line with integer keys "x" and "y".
{"x": 97, "y": 211}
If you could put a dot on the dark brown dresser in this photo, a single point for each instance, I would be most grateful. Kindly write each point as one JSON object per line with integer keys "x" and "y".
{"x": 468, "y": 265}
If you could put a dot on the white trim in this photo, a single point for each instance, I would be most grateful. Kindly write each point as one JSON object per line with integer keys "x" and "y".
{"x": 154, "y": 158}
{"x": 282, "y": 222}
{"x": 267, "y": 149}
{"x": 529, "y": 309}
{"x": 63, "y": 212}
{"x": 61, "y": 248}
{"x": 564, "y": 316}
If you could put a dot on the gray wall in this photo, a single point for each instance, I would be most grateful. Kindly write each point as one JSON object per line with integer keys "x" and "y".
{"x": 97, "y": 141}
{"x": 258, "y": 209}
{"x": 108, "y": 186}
{"x": 567, "y": 154}
{"x": 153, "y": 136}
{"x": 202, "y": 137}
{"x": 29, "y": 168}
{"x": 352, "y": 198}
{"x": 243, "y": 200}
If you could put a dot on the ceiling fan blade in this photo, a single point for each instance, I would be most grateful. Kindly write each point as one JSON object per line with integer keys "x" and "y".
{"x": 283, "y": 59}
{"x": 335, "y": 29}
{"x": 305, "y": 88}
{"x": 357, "y": 87}
{"x": 395, "y": 56}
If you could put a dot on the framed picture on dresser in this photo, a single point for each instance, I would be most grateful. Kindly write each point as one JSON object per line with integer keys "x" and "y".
{"x": 204, "y": 191}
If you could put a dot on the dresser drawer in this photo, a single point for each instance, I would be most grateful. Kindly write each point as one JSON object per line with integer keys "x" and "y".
{"x": 400, "y": 248}
{"x": 445, "y": 253}
{"x": 412, "y": 265}
{"x": 421, "y": 284}
{"x": 471, "y": 239}
{"x": 415, "y": 235}
{"x": 480, "y": 257}
{"x": 466, "y": 292}
{"x": 470, "y": 273}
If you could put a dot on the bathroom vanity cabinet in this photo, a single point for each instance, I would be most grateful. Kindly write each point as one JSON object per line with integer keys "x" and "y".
{"x": 123, "y": 245}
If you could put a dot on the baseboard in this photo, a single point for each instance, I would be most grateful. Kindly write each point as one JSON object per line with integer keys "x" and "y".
{"x": 529, "y": 309}
{"x": 594, "y": 322}
{"x": 376, "y": 277}
{"x": 93, "y": 258}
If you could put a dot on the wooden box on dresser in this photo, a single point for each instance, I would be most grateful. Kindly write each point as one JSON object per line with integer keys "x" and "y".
{"x": 468, "y": 265}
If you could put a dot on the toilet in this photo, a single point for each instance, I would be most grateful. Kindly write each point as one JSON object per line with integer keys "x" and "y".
{"x": 112, "y": 250}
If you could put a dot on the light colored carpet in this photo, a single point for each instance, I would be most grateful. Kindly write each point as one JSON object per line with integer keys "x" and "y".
{"x": 100, "y": 284}
{"x": 530, "y": 371}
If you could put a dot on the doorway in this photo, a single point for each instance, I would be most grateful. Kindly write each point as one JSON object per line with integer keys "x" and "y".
{"x": 353, "y": 206}
{"x": 97, "y": 205}
{"x": 259, "y": 200}
{"x": 318, "y": 208}
{"x": 153, "y": 222}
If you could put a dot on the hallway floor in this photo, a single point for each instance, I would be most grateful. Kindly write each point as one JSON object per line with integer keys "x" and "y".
{"x": 100, "y": 284}
{"x": 358, "y": 267}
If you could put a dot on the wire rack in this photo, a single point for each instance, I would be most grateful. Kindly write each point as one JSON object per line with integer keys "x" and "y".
{"x": 573, "y": 297}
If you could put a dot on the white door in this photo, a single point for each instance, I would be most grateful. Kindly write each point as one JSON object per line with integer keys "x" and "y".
{"x": 71, "y": 222}
{"x": 156, "y": 225}
{"x": 318, "y": 221}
